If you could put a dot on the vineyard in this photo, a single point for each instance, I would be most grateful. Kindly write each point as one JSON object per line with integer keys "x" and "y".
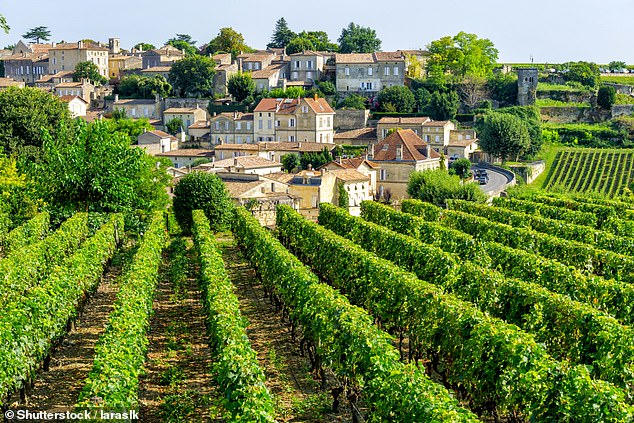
{"x": 602, "y": 171}
{"x": 516, "y": 311}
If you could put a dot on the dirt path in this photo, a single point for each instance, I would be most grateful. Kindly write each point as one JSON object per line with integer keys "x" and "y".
{"x": 57, "y": 389}
{"x": 297, "y": 395}
{"x": 178, "y": 385}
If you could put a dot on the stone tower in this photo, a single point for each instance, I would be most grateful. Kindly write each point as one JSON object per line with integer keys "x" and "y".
{"x": 526, "y": 86}
{"x": 114, "y": 45}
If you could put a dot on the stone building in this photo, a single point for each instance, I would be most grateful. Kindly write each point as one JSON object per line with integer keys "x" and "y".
{"x": 367, "y": 73}
{"x": 66, "y": 56}
{"x": 165, "y": 55}
{"x": 526, "y": 86}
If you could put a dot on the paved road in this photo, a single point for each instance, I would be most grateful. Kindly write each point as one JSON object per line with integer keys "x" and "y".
{"x": 497, "y": 181}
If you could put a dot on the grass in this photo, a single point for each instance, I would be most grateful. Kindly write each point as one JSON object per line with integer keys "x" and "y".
{"x": 624, "y": 99}
{"x": 544, "y": 86}
{"x": 620, "y": 79}
{"x": 549, "y": 102}
{"x": 548, "y": 154}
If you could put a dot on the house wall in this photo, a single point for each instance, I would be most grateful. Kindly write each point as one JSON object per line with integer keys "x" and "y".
{"x": 398, "y": 174}
{"x": 358, "y": 76}
{"x": 346, "y": 120}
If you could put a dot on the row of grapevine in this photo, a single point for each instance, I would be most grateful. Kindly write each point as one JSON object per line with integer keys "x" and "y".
{"x": 602, "y": 171}
{"x": 571, "y": 330}
{"x": 550, "y": 212}
{"x": 616, "y": 298}
{"x": 32, "y": 324}
{"x": 618, "y": 205}
{"x": 120, "y": 351}
{"x": 571, "y": 232}
{"x": 25, "y": 234}
{"x": 344, "y": 337}
{"x": 23, "y": 269}
{"x": 602, "y": 212}
{"x": 235, "y": 363}
{"x": 499, "y": 367}
{"x": 600, "y": 262}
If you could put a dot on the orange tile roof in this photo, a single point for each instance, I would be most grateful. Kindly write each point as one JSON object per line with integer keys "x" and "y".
{"x": 319, "y": 105}
{"x": 69, "y": 98}
{"x": 75, "y": 46}
{"x": 246, "y": 162}
{"x": 422, "y": 120}
{"x": 349, "y": 175}
{"x": 354, "y": 58}
{"x": 362, "y": 134}
{"x": 413, "y": 147}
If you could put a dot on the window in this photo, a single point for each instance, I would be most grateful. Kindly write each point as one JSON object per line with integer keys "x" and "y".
{"x": 297, "y": 64}
{"x": 347, "y": 71}
{"x": 395, "y": 70}
{"x": 383, "y": 175}
{"x": 217, "y": 126}
{"x": 248, "y": 139}
{"x": 291, "y": 122}
{"x": 294, "y": 75}
{"x": 368, "y": 86}
{"x": 226, "y": 125}
{"x": 291, "y": 138}
{"x": 238, "y": 125}
{"x": 386, "y": 71}
{"x": 248, "y": 125}
{"x": 369, "y": 71}
{"x": 239, "y": 139}
{"x": 256, "y": 65}
{"x": 260, "y": 86}
{"x": 363, "y": 85}
{"x": 468, "y": 136}
{"x": 309, "y": 75}
{"x": 269, "y": 124}
{"x": 260, "y": 124}
{"x": 277, "y": 123}
{"x": 384, "y": 133}
{"x": 315, "y": 201}
{"x": 309, "y": 64}
{"x": 437, "y": 138}
{"x": 304, "y": 109}
{"x": 328, "y": 122}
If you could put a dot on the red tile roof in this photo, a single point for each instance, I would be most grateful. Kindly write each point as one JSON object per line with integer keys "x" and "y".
{"x": 413, "y": 148}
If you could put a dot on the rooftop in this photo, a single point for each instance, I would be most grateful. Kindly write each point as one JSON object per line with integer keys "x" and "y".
{"x": 188, "y": 152}
{"x": 412, "y": 147}
{"x": 361, "y": 134}
{"x": 349, "y": 175}
{"x": 245, "y": 162}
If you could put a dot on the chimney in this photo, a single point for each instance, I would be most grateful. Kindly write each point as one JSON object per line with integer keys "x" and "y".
{"x": 116, "y": 98}
{"x": 235, "y": 115}
{"x": 399, "y": 152}
{"x": 299, "y": 145}
{"x": 80, "y": 44}
{"x": 235, "y": 161}
{"x": 316, "y": 97}
{"x": 53, "y": 44}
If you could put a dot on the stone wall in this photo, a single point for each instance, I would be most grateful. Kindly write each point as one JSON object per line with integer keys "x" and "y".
{"x": 622, "y": 110}
{"x": 583, "y": 114}
{"x": 346, "y": 120}
{"x": 529, "y": 171}
{"x": 622, "y": 89}
{"x": 568, "y": 96}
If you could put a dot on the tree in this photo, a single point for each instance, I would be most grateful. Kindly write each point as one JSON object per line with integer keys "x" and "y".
{"x": 354, "y": 102}
{"x": 461, "y": 55}
{"x": 144, "y": 46}
{"x": 462, "y": 167}
{"x": 290, "y": 162}
{"x": 130, "y": 127}
{"x": 437, "y": 186}
{"x": 88, "y": 70}
{"x": 586, "y": 73}
{"x": 422, "y": 97}
{"x": 4, "y": 25}
{"x": 298, "y": 45}
{"x": 616, "y": 66}
{"x": 310, "y": 40}
{"x": 414, "y": 66}
{"x": 92, "y": 168}
{"x": 315, "y": 159}
{"x": 228, "y": 40}
{"x": 174, "y": 125}
{"x": 24, "y": 114}
{"x": 503, "y": 135}
{"x": 135, "y": 86}
{"x": 531, "y": 116}
{"x": 357, "y": 39}
{"x": 185, "y": 43}
{"x": 343, "y": 197}
{"x": 328, "y": 88}
{"x": 38, "y": 33}
{"x": 241, "y": 86}
{"x": 473, "y": 90}
{"x": 606, "y": 97}
{"x": 17, "y": 199}
{"x": 193, "y": 76}
{"x": 400, "y": 98}
{"x": 443, "y": 106}
{"x": 503, "y": 88}
{"x": 282, "y": 35}
{"x": 202, "y": 191}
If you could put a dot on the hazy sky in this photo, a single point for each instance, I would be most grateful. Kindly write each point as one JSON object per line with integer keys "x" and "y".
{"x": 548, "y": 30}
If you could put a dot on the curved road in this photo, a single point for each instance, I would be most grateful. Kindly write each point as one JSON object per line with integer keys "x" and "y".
{"x": 497, "y": 181}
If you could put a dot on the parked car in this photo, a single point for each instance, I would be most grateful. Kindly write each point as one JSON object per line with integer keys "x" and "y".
{"x": 483, "y": 179}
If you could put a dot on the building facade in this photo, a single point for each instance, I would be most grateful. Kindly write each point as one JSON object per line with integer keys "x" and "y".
{"x": 66, "y": 56}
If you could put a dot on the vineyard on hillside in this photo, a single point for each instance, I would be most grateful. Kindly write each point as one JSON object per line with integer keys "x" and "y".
{"x": 516, "y": 311}
{"x": 603, "y": 171}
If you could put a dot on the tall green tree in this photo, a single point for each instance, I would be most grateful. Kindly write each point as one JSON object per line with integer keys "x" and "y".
{"x": 37, "y": 34}
{"x": 144, "y": 46}
{"x": 24, "y": 114}
{"x": 88, "y": 70}
{"x": 185, "y": 43}
{"x": 174, "y": 125}
{"x": 397, "y": 99}
{"x": 585, "y": 73}
{"x": 4, "y": 25}
{"x": 228, "y": 40}
{"x": 202, "y": 191}
{"x": 353, "y": 101}
{"x": 617, "y": 65}
{"x": 282, "y": 35}
{"x": 343, "y": 199}
{"x": 92, "y": 168}
{"x": 311, "y": 40}
{"x": 290, "y": 162}
{"x": 193, "y": 76}
{"x": 503, "y": 135}
{"x": 298, "y": 45}
{"x": 460, "y": 56}
{"x": 241, "y": 86}
{"x": 437, "y": 186}
{"x": 357, "y": 39}
{"x": 442, "y": 105}
{"x": 136, "y": 86}
{"x": 606, "y": 97}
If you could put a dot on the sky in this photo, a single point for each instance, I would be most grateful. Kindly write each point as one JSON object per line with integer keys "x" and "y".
{"x": 548, "y": 31}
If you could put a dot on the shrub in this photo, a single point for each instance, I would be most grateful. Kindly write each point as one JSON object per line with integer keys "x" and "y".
{"x": 437, "y": 186}
{"x": 606, "y": 97}
{"x": 204, "y": 191}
